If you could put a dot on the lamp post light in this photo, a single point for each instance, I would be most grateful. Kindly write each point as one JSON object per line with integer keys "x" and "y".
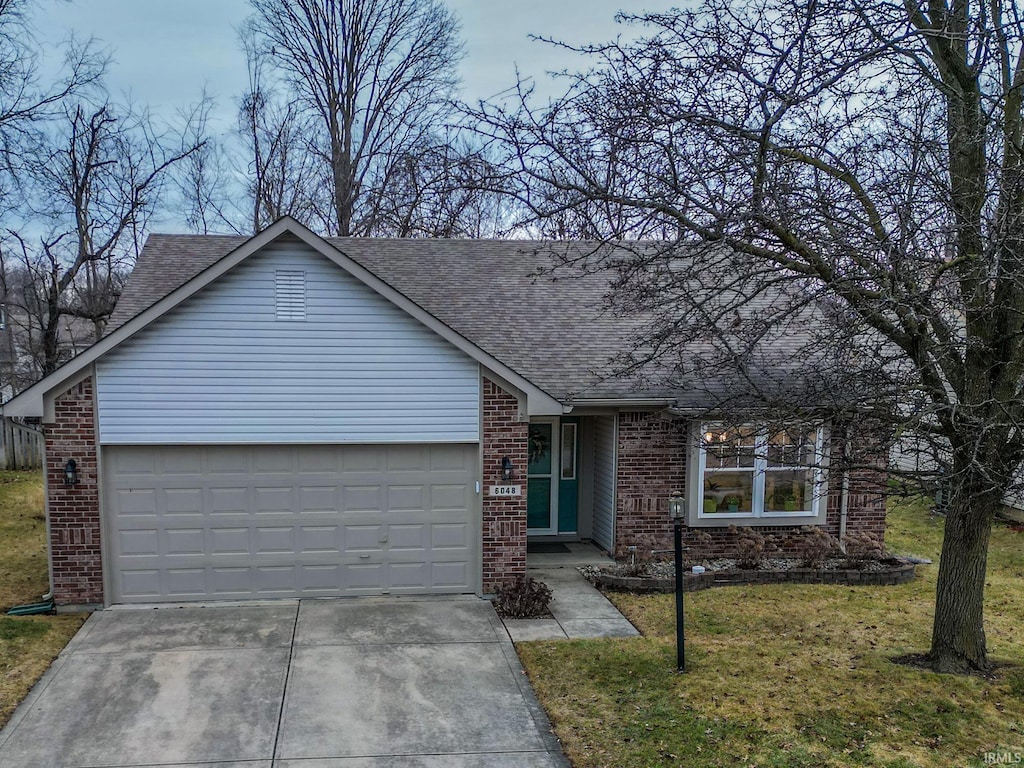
{"x": 677, "y": 511}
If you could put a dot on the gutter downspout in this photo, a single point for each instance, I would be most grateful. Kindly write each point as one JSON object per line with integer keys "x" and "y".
{"x": 844, "y": 499}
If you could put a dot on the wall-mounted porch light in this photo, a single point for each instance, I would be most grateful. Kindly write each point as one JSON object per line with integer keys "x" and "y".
{"x": 506, "y": 469}
{"x": 71, "y": 472}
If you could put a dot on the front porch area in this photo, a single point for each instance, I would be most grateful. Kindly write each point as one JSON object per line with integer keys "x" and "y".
{"x": 571, "y": 554}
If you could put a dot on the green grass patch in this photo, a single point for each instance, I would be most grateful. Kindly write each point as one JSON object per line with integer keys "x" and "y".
{"x": 793, "y": 675}
{"x": 28, "y": 644}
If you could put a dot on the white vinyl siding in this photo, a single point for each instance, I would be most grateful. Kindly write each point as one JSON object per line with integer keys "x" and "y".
{"x": 221, "y": 368}
{"x": 604, "y": 482}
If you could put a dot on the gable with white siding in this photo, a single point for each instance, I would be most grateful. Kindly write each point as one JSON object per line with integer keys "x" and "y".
{"x": 287, "y": 348}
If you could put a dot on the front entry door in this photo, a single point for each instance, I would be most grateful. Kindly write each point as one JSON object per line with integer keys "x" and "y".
{"x": 552, "y": 468}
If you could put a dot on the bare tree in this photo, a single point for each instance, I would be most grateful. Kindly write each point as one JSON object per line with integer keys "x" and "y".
{"x": 867, "y": 157}
{"x": 440, "y": 189}
{"x": 93, "y": 188}
{"x": 375, "y": 75}
{"x": 25, "y": 102}
{"x": 282, "y": 174}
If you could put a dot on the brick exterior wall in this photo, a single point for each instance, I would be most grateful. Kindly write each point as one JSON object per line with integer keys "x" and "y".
{"x": 74, "y": 511}
{"x": 652, "y": 464}
{"x": 504, "y": 519}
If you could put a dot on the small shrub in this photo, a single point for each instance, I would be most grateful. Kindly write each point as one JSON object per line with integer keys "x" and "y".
{"x": 751, "y": 547}
{"x": 522, "y": 598}
{"x": 641, "y": 554}
{"x": 862, "y": 548}
{"x": 700, "y": 547}
{"x": 814, "y": 546}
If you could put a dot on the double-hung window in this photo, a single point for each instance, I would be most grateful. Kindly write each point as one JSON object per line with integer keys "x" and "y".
{"x": 759, "y": 475}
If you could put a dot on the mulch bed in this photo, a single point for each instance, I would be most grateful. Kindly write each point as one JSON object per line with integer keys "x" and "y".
{"x": 660, "y": 576}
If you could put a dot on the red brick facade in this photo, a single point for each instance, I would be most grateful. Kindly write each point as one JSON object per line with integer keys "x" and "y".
{"x": 74, "y": 511}
{"x": 652, "y": 464}
{"x": 504, "y": 519}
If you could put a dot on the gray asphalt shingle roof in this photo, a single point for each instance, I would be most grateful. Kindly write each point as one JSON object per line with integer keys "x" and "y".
{"x": 554, "y": 331}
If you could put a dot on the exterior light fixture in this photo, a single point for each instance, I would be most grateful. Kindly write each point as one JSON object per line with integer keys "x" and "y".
{"x": 677, "y": 511}
{"x": 506, "y": 469}
{"x": 677, "y": 506}
{"x": 71, "y": 472}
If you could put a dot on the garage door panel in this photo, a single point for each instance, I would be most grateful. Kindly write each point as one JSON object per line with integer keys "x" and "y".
{"x": 320, "y": 539}
{"x": 230, "y": 541}
{"x": 407, "y": 498}
{"x": 135, "y": 502}
{"x": 181, "y": 463}
{"x": 183, "y": 501}
{"x": 184, "y": 542}
{"x": 144, "y": 542}
{"x": 227, "y": 501}
{"x": 448, "y": 535}
{"x": 363, "y": 498}
{"x": 274, "y": 460}
{"x": 318, "y": 499}
{"x": 230, "y": 582}
{"x": 273, "y": 500}
{"x": 412, "y": 536}
{"x": 325, "y": 529}
{"x": 186, "y": 583}
{"x": 449, "y": 574}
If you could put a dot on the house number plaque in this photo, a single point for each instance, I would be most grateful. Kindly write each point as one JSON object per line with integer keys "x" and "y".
{"x": 505, "y": 490}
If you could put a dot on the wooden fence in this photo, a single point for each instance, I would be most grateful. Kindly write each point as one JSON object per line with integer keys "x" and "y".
{"x": 21, "y": 447}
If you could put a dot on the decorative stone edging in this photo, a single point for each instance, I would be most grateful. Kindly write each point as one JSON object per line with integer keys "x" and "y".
{"x": 692, "y": 582}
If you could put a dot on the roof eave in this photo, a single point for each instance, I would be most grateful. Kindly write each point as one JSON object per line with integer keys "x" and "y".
{"x": 32, "y": 401}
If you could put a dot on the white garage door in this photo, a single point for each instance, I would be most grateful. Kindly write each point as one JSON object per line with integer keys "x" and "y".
{"x": 240, "y": 522}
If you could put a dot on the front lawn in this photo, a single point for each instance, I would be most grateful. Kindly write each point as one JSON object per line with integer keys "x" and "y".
{"x": 793, "y": 675}
{"x": 27, "y": 643}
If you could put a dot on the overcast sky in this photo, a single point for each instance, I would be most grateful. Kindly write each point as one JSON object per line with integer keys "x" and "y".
{"x": 166, "y": 51}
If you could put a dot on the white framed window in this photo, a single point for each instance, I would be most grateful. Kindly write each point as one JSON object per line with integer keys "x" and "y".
{"x": 758, "y": 475}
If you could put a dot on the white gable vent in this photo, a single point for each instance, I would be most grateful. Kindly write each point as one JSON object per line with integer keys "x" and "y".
{"x": 290, "y": 294}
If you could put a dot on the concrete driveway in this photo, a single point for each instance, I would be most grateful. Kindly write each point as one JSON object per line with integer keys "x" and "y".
{"x": 355, "y": 683}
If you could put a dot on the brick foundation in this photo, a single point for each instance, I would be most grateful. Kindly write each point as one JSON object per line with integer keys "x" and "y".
{"x": 652, "y": 464}
{"x": 504, "y": 519}
{"x": 74, "y": 511}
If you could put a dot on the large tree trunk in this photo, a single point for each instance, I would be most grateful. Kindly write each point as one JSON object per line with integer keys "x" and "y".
{"x": 958, "y": 632}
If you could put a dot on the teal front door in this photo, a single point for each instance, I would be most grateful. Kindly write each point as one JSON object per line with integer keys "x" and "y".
{"x": 552, "y": 487}
{"x": 568, "y": 476}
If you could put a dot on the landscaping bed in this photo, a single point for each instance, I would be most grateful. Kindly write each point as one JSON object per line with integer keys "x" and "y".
{"x": 660, "y": 576}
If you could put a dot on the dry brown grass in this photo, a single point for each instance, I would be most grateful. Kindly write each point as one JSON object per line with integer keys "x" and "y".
{"x": 793, "y": 675}
{"x": 28, "y": 644}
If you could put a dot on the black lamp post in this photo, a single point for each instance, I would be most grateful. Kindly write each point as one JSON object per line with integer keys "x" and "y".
{"x": 677, "y": 511}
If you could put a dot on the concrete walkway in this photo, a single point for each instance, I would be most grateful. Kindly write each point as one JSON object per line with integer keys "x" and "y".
{"x": 579, "y": 610}
{"x": 356, "y": 683}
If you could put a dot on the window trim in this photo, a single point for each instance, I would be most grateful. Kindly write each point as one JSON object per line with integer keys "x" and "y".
{"x": 758, "y": 516}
